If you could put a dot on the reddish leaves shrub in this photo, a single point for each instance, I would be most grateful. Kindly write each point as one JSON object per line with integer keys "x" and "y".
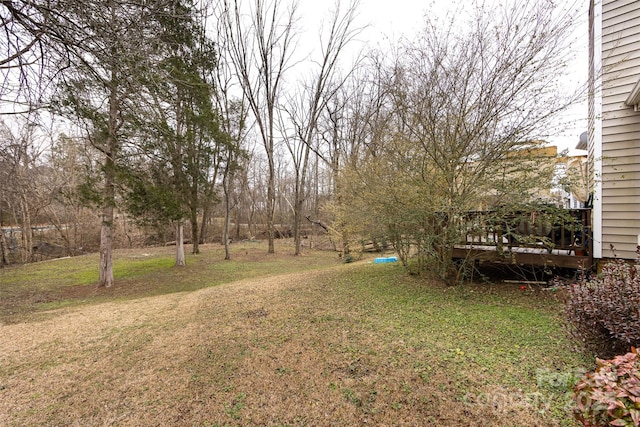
{"x": 604, "y": 313}
{"x": 610, "y": 396}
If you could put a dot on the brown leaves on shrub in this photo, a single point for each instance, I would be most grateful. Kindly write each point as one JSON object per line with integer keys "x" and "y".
{"x": 610, "y": 396}
{"x": 604, "y": 313}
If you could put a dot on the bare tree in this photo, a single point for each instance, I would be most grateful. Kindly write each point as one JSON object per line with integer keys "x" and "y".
{"x": 34, "y": 46}
{"x": 247, "y": 193}
{"x": 260, "y": 46}
{"x": 67, "y": 160}
{"x": 354, "y": 123}
{"x": 233, "y": 111}
{"x": 24, "y": 193}
{"x": 303, "y": 110}
{"x": 467, "y": 103}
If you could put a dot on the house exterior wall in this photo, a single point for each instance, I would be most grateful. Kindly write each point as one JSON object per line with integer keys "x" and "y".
{"x": 614, "y": 127}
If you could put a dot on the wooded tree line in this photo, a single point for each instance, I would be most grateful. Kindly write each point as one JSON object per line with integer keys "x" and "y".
{"x": 177, "y": 112}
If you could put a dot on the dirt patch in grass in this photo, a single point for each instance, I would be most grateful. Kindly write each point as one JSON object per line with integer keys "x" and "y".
{"x": 353, "y": 344}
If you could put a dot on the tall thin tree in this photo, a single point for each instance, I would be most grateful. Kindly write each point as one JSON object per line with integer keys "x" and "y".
{"x": 311, "y": 99}
{"x": 101, "y": 89}
{"x": 260, "y": 46}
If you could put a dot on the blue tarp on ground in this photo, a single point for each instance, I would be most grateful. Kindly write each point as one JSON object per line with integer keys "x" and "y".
{"x": 385, "y": 259}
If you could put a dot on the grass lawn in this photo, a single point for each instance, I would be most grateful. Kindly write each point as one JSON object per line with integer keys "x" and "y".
{"x": 275, "y": 340}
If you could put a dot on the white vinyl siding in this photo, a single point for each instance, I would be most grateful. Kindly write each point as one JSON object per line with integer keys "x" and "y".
{"x": 620, "y": 133}
{"x": 594, "y": 141}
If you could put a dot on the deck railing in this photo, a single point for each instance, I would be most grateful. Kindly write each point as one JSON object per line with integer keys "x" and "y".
{"x": 562, "y": 232}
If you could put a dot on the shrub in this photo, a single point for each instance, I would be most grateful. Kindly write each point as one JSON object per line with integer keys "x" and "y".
{"x": 610, "y": 396}
{"x": 604, "y": 313}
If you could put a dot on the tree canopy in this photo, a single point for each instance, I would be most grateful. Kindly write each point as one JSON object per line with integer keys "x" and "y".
{"x": 181, "y": 105}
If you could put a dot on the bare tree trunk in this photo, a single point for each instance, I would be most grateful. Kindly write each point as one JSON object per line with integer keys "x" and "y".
{"x": 204, "y": 224}
{"x": 27, "y": 240}
{"x": 313, "y": 99}
{"x": 300, "y": 196}
{"x": 238, "y": 218}
{"x": 180, "y": 260}
{"x": 251, "y": 224}
{"x": 271, "y": 206}
{"x": 206, "y": 211}
{"x": 316, "y": 186}
{"x": 297, "y": 220}
{"x": 106, "y": 248}
{"x": 259, "y": 45}
{"x": 225, "y": 229}
{"x": 227, "y": 188}
{"x": 4, "y": 250}
{"x": 106, "y": 230}
{"x": 232, "y": 198}
{"x": 194, "y": 231}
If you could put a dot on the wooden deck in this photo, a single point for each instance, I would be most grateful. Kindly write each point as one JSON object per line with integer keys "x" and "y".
{"x": 526, "y": 238}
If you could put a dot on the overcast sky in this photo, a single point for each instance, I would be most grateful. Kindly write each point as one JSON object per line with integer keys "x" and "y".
{"x": 384, "y": 19}
{"x": 388, "y": 20}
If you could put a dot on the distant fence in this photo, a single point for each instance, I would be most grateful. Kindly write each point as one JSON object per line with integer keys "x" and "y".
{"x": 45, "y": 243}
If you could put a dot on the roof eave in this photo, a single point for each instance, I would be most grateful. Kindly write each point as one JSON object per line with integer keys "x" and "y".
{"x": 633, "y": 100}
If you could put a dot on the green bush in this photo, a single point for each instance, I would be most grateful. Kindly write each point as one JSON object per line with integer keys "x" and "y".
{"x": 610, "y": 396}
{"x": 604, "y": 313}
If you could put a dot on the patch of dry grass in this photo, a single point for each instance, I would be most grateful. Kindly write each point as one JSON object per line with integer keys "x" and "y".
{"x": 28, "y": 290}
{"x": 353, "y": 344}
